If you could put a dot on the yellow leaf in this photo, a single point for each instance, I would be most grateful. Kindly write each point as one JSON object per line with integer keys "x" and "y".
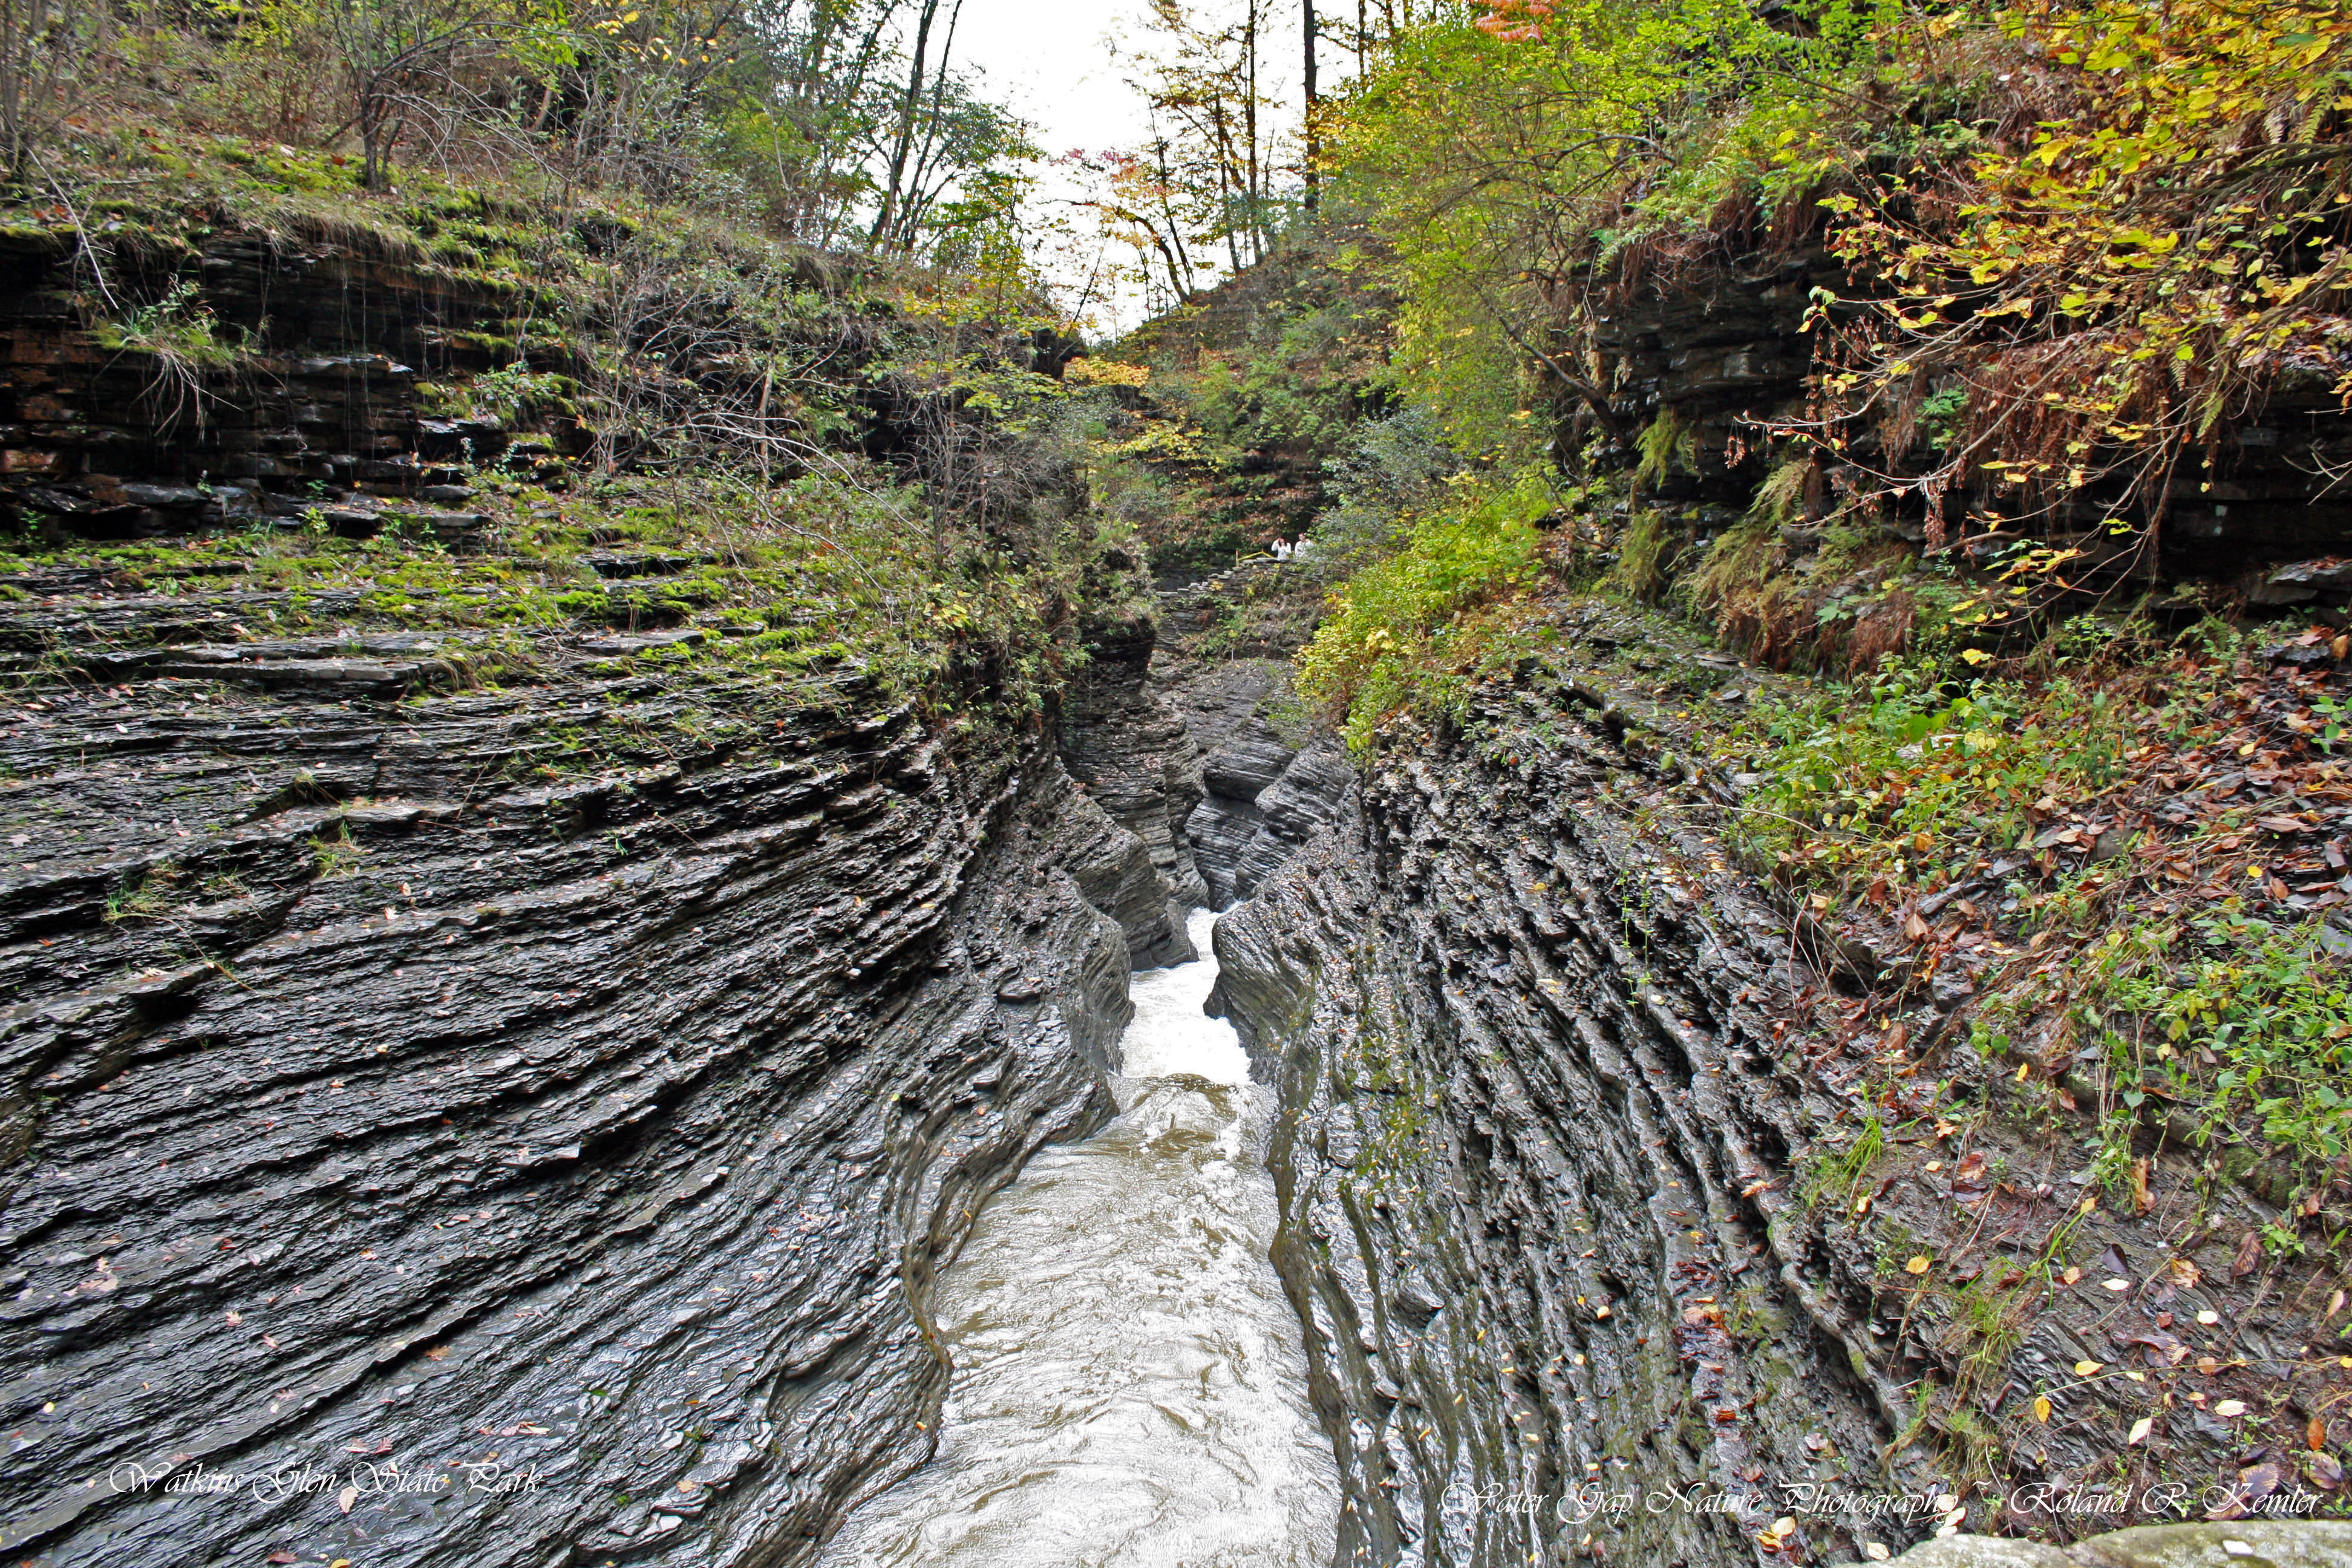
{"x": 2042, "y": 1409}
{"x": 2139, "y": 1429}
{"x": 2088, "y": 1369}
{"x": 1920, "y": 1264}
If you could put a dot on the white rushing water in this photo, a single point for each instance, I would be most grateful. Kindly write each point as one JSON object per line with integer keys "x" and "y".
{"x": 1129, "y": 1384}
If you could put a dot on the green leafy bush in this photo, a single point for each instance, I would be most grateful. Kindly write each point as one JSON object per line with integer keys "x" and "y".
{"x": 1410, "y": 626}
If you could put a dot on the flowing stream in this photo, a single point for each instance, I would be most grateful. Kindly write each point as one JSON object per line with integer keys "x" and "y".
{"x": 1129, "y": 1384}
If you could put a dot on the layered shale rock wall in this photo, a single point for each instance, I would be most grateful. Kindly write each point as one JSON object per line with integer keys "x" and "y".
{"x": 1577, "y": 1127}
{"x": 1716, "y": 346}
{"x": 540, "y": 1105}
{"x": 1524, "y": 1078}
{"x": 605, "y": 1133}
{"x": 1262, "y": 775}
{"x": 318, "y": 409}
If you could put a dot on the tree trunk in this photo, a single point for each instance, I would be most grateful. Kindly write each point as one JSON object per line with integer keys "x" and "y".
{"x": 1313, "y": 144}
{"x": 1249, "y": 128}
{"x": 373, "y": 154}
{"x": 906, "y": 138}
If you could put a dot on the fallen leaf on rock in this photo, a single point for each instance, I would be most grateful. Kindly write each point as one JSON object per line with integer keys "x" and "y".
{"x": 2139, "y": 1429}
{"x": 2088, "y": 1369}
{"x": 1920, "y": 1264}
{"x": 2314, "y": 1435}
{"x": 2230, "y": 1408}
{"x": 2248, "y": 1253}
{"x": 2071, "y": 1275}
{"x": 2042, "y": 1408}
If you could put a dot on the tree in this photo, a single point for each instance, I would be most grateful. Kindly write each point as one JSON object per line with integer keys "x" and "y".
{"x": 1222, "y": 150}
{"x": 1309, "y": 120}
{"x": 46, "y": 48}
{"x": 392, "y": 50}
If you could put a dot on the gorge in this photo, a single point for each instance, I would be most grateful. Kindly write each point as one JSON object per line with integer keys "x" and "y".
{"x": 674, "y": 896}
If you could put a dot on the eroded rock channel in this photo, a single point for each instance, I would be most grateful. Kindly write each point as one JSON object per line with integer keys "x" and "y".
{"x": 1129, "y": 1386}
{"x": 562, "y": 1171}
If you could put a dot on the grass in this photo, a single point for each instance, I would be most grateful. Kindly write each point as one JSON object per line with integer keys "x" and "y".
{"x": 1891, "y": 783}
{"x": 826, "y": 569}
{"x": 2245, "y": 1022}
{"x": 336, "y": 858}
{"x": 1837, "y": 1173}
{"x": 146, "y": 898}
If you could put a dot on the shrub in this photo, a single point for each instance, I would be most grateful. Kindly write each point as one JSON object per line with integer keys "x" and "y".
{"x": 1400, "y": 629}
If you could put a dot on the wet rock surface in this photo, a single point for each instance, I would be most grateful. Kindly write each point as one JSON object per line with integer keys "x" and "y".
{"x": 1559, "y": 1087}
{"x": 1133, "y": 755}
{"x": 555, "y": 1153}
{"x": 322, "y": 416}
{"x": 1519, "y": 1107}
{"x": 2280, "y": 1543}
{"x": 1261, "y": 779}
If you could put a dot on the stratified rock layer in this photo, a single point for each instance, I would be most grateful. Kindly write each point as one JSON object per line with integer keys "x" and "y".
{"x": 556, "y": 1160}
{"x": 1584, "y": 1201}
{"x": 1524, "y": 1081}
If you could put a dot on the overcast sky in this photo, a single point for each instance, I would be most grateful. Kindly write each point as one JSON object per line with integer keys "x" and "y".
{"x": 1062, "y": 65}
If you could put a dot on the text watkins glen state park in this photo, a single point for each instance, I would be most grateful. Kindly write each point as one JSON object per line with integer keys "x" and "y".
{"x": 485, "y": 1478}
